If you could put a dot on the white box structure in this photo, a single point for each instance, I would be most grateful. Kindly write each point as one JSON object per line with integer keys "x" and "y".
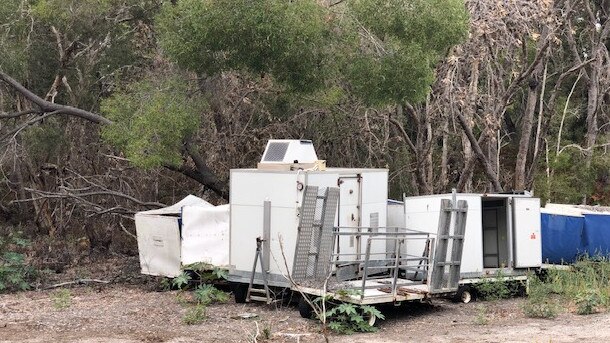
{"x": 187, "y": 232}
{"x": 362, "y": 203}
{"x": 502, "y": 231}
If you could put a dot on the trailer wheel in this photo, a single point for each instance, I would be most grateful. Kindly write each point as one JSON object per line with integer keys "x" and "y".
{"x": 465, "y": 294}
{"x": 370, "y": 319}
{"x": 305, "y": 309}
{"x": 240, "y": 291}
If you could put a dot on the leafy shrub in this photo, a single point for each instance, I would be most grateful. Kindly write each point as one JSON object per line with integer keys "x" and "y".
{"x": 194, "y": 315}
{"x": 207, "y": 294}
{"x": 347, "y": 318}
{"x": 15, "y": 274}
{"x": 540, "y": 302}
{"x": 587, "y": 301}
{"x": 182, "y": 280}
{"x": 494, "y": 289}
{"x": 481, "y": 318}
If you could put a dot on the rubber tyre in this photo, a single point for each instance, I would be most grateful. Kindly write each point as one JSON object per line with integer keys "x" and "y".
{"x": 305, "y": 309}
{"x": 465, "y": 294}
{"x": 240, "y": 291}
{"x": 372, "y": 320}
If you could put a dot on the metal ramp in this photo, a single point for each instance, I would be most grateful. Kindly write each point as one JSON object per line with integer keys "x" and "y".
{"x": 315, "y": 237}
{"x": 445, "y": 270}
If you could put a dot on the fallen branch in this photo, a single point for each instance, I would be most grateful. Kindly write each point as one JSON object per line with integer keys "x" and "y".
{"x": 77, "y": 282}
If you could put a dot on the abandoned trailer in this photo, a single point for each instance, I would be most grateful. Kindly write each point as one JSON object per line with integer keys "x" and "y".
{"x": 298, "y": 225}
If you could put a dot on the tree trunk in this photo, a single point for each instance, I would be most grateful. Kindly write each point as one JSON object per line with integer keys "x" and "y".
{"x": 527, "y": 125}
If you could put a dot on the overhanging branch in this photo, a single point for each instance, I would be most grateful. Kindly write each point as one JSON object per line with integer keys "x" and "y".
{"x": 47, "y": 107}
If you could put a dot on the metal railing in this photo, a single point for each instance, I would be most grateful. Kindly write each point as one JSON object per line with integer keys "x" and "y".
{"x": 384, "y": 263}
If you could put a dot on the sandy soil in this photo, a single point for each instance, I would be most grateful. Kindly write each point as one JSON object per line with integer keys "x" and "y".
{"x": 130, "y": 310}
{"x": 131, "y": 314}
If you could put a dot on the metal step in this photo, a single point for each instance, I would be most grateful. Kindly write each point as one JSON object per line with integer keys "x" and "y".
{"x": 258, "y": 291}
{"x": 257, "y": 298}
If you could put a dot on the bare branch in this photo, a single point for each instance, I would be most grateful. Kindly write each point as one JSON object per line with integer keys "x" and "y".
{"x": 48, "y": 107}
{"x": 18, "y": 114}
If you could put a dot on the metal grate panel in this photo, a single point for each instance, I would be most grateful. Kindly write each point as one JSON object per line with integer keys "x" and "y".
{"x": 275, "y": 152}
{"x": 326, "y": 246}
{"x": 301, "y": 255}
{"x": 315, "y": 237}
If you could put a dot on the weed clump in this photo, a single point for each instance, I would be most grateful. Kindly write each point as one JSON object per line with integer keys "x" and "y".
{"x": 585, "y": 286}
{"x": 15, "y": 273}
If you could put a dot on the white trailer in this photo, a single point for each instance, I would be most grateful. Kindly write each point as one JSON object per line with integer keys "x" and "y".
{"x": 502, "y": 234}
{"x": 266, "y": 202}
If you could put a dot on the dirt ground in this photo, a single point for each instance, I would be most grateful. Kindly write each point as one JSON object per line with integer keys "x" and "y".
{"x": 130, "y": 310}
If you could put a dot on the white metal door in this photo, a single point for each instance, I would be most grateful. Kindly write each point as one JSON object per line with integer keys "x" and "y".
{"x": 526, "y": 226}
{"x": 349, "y": 212}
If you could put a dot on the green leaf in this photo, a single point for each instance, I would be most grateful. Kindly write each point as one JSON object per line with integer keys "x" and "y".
{"x": 181, "y": 280}
{"x": 347, "y": 308}
{"x": 220, "y": 273}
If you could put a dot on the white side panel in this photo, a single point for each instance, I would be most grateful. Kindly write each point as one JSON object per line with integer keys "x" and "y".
{"x": 375, "y": 187}
{"x": 395, "y": 219}
{"x": 252, "y": 188}
{"x": 396, "y": 215}
{"x": 526, "y": 223}
{"x": 205, "y": 235}
{"x": 247, "y": 225}
{"x": 249, "y": 191}
{"x": 158, "y": 244}
{"x": 422, "y": 213}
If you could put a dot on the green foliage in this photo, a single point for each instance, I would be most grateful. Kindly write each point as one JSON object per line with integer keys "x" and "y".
{"x": 587, "y": 301}
{"x": 62, "y": 299}
{"x": 153, "y": 119}
{"x": 286, "y": 39}
{"x": 570, "y": 178}
{"x": 45, "y": 142}
{"x": 382, "y": 51}
{"x": 13, "y": 45}
{"x": 540, "y": 302}
{"x": 194, "y": 315}
{"x": 207, "y": 294}
{"x": 182, "y": 280}
{"x": 404, "y": 39}
{"x": 347, "y": 318}
{"x": 495, "y": 288}
{"x": 587, "y": 280}
{"x": 15, "y": 274}
{"x": 481, "y": 318}
{"x": 586, "y": 284}
{"x": 207, "y": 272}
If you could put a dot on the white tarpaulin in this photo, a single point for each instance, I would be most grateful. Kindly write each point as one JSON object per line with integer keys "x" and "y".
{"x": 187, "y": 232}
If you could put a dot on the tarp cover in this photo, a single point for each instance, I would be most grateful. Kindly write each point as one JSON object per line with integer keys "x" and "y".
{"x": 596, "y": 238}
{"x": 176, "y": 209}
{"x": 189, "y": 231}
{"x": 561, "y": 237}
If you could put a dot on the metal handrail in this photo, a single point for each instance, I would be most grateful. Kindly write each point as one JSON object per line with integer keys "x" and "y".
{"x": 399, "y": 238}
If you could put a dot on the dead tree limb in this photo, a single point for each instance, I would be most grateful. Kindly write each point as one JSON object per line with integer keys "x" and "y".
{"x": 480, "y": 154}
{"x": 48, "y": 107}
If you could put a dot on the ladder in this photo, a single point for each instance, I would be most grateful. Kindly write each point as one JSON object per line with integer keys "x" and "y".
{"x": 259, "y": 294}
{"x": 444, "y": 275}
